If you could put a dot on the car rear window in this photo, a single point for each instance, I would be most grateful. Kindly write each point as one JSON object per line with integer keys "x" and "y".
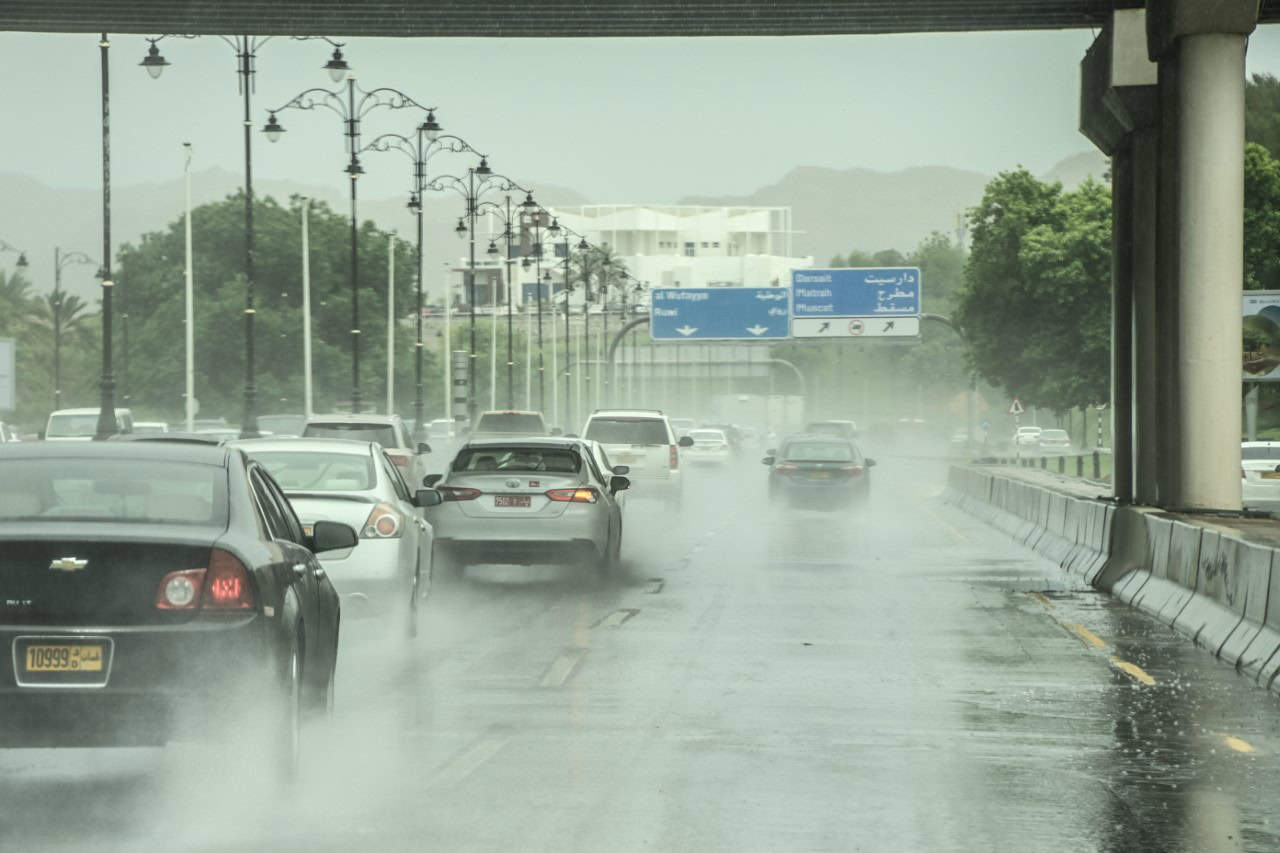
{"x": 72, "y": 426}
{"x": 552, "y": 460}
{"x": 115, "y": 490}
{"x": 827, "y": 429}
{"x": 627, "y": 431}
{"x": 513, "y": 422}
{"x": 706, "y": 435}
{"x": 1260, "y": 452}
{"x": 311, "y": 471}
{"x": 818, "y": 451}
{"x": 383, "y": 434}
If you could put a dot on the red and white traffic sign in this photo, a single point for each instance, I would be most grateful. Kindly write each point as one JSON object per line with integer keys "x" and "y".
{"x": 1015, "y": 408}
{"x": 856, "y": 327}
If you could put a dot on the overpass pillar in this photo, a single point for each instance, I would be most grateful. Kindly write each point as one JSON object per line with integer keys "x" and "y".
{"x": 1199, "y": 48}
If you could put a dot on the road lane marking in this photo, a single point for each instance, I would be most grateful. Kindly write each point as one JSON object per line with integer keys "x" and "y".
{"x": 1040, "y": 597}
{"x": 655, "y": 586}
{"x": 1237, "y": 744}
{"x": 563, "y": 667}
{"x": 951, "y": 528}
{"x": 616, "y": 618}
{"x": 1085, "y": 634}
{"x": 470, "y": 760}
{"x": 1133, "y": 670}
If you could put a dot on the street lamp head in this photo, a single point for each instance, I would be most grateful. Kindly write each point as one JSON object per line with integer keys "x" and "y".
{"x": 582, "y": 245}
{"x": 354, "y": 169}
{"x": 524, "y": 263}
{"x": 415, "y": 203}
{"x": 461, "y": 230}
{"x": 528, "y": 203}
{"x": 483, "y": 168}
{"x": 154, "y": 62}
{"x": 430, "y": 128}
{"x": 546, "y": 276}
{"x": 22, "y": 260}
{"x": 492, "y": 251}
{"x": 337, "y": 66}
{"x": 273, "y": 129}
{"x": 554, "y": 228}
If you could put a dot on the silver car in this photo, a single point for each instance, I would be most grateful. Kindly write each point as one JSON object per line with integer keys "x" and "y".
{"x": 529, "y": 501}
{"x": 356, "y": 483}
{"x": 389, "y": 431}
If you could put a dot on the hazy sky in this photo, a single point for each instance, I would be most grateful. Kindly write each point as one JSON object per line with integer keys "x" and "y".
{"x": 620, "y": 120}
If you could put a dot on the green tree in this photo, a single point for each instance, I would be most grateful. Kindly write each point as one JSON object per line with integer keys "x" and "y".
{"x": 1262, "y": 112}
{"x": 1261, "y": 219}
{"x": 1035, "y": 304}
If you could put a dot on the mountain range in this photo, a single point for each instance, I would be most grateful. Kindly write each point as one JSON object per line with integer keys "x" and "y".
{"x": 833, "y": 210}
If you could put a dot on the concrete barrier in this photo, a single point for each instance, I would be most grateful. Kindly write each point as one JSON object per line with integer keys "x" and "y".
{"x": 1204, "y": 579}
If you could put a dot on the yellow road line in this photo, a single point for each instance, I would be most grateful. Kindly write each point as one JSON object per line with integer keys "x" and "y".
{"x": 1133, "y": 670}
{"x": 1085, "y": 634}
{"x": 1237, "y": 744}
{"x": 1041, "y": 598}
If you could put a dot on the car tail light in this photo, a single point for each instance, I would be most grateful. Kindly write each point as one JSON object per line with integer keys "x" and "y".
{"x": 458, "y": 493}
{"x": 675, "y": 457}
{"x": 852, "y": 470}
{"x": 382, "y": 523}
{"x": 180, "y": 590}
{"x": 784, "y": 467}
{"x": 227, "y": 584}
{"x": 578, "y": 496}
{"x": 400, "y": 460}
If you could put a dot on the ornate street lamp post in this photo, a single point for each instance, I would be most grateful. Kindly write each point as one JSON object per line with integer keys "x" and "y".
{"x": 56, "y": 303}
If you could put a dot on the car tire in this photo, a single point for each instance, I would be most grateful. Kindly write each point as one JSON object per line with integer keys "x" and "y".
{"x": 288, "y": 724}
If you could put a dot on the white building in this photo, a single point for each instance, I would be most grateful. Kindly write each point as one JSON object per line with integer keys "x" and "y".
{"x": 668, "y": 246}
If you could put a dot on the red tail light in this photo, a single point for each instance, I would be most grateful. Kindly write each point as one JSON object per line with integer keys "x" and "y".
{"x": 180, "y": 590}
{"x": 675, "y": 457}
{"x": 400, "y": 460}
{"x": 784, "y": 467}
{"x": 457, "y": 493}
{"x": 382, "y": 523}
{"x": 579, "y": 496}
{"x": 227, "y": 584}
{"x": 852, "y": 470}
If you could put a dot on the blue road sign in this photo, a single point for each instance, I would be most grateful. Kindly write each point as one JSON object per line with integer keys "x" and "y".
{"x": 719, "y": 314}
{"x": 862, "y": 292}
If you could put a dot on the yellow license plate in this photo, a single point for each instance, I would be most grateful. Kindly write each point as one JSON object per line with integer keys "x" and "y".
{"x": 820, "y": 475}
{"x": 60, "y": 658}
{"x": 1271, "y": 475}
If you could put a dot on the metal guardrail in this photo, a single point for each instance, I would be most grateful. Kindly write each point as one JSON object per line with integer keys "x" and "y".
{"x": 1042, "y": 461}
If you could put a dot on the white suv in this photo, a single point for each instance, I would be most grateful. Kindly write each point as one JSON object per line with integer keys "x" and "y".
{"x": 641, "y": 439}
{"x": 387, "y": 431}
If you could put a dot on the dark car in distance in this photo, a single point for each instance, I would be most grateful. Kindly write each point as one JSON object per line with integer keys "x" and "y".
{"x": 153, "y": 589}
{"x": 818, "y": 471}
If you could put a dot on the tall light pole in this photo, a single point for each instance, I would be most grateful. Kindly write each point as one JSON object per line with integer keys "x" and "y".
{"x": 426, "y": 142}
{"x": 189, "y": 403}
{"x": 553, "y": 229}
{"x": 107, "y": 382}
{"x": 60, "y": 260}
{"x": 246, "y": 50}
{"x": 478, "y": 181}
{"x": 351, "y": 110}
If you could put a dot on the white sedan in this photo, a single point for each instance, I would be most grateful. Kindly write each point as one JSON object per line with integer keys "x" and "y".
{"x": 1260, "y": 475}
{"x": 709, "y": 446}
{"x": 356, "y": 483}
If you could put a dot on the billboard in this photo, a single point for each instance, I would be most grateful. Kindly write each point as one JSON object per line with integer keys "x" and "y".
{"x": 1261, "y": 336}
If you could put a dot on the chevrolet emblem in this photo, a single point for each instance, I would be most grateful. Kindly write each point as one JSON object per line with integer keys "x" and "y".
{"x": 68, "y": 564}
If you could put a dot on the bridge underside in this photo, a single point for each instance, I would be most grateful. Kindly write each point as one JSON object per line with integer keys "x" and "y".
{"x": 566, "y": 18}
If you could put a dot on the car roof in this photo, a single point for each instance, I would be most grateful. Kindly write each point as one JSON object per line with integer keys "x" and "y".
{"x": 348, "y": 418}
{"x": 628, "y": 413}
{"x": 817, "y": 436}
{"x": 1245, "y": 444}
{"x": 86, "y": 411}
{"x": 528, "y": 441}
{"x": 201, "y": 453}
{"x": 831, "y": 421}
{"x": 510, "y": 412}
{"x": 314, "y": 445}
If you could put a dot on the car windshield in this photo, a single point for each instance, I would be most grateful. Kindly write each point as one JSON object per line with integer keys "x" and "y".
{"x": 518, "y": 423}
{"x": 316, "y": 471}
{"x": 112, "y": 490}
{"x": 1260, "y": 452}
{"x": 148, "y": 429}
{"x": 706, "y": 435}
{"x": 283, "y": 425}
{"x": 818, "y": 451}
{"x": 384, "y": 435}
{"x": 522, "y": 459}
{"x": 638, "y": 431}
{"x": 72, "y": 426}
{"x": 1054, "y": 434}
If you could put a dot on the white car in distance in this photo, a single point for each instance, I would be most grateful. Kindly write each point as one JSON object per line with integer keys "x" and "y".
{"x": 1027, "y": 436}
{"x": 1260, "y": 475}
{"x": 387, "y": 431}
{"x": 710, "y": 446}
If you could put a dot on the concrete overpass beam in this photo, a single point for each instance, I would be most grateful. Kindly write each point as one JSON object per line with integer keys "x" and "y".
{"x": 1200, "y": 197}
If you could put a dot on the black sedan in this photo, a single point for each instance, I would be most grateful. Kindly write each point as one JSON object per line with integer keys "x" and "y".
{"x": 154, "y": 589}
{"x": 819, "y": 471}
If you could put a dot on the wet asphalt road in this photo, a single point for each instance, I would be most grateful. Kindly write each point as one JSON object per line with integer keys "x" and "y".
{"x": 900, "y": 679}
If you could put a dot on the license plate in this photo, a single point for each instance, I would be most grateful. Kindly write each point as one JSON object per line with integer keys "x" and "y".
{"x": 820, "y": 475}
{"x": 511, "y": 500}
{"x": 1271, "y": 475}
{"x": 64, "y": 658}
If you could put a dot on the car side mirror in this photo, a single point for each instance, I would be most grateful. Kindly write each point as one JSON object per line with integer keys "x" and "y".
{"x": 423, "y": 447}
{"x": 622, "y": 469}
{"x": 768, "y": 460}
{"x": 685, "y": 441}
{"x": 871, "y": 463}
{"x": 424, "y": 498}
{"x": 431, "y": 479}
{"x": 331, "y": 536}
{"x": 618, "y": 484}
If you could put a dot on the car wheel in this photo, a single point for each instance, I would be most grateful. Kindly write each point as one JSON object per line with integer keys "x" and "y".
{"x": 289, "y": 723}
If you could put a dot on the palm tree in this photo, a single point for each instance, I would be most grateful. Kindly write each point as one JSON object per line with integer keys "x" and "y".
{"x": 17, "y": 304}
{"x": 60, "y": 313}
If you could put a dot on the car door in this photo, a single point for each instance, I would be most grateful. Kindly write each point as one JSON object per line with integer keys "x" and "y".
{"x": 420, "y": 543}
{"x": 298, "y": 565}
{"x": 597, "y": 466}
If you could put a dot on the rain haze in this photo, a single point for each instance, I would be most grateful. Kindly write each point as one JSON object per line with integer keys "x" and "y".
{"x": 735, "y": 443}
